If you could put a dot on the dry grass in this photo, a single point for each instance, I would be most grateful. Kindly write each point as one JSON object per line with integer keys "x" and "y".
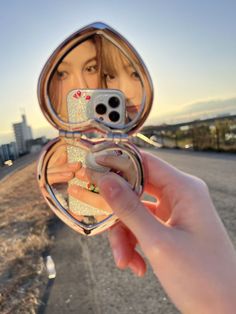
{"x": 24, "y": 218}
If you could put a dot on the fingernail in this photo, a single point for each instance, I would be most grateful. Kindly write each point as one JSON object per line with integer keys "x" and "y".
{"x": 100, "y": 158}
{"x": 136, "y": 270}
{"x": 117, "y": 257}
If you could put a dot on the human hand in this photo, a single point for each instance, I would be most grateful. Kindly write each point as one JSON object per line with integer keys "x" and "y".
{"x": 182, "y": 237}
{"x": 59, "y": 170}
{"x": 119, "y": 163}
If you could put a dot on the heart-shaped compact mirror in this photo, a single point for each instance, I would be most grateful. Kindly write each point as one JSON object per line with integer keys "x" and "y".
{"x": 97, "y": 92}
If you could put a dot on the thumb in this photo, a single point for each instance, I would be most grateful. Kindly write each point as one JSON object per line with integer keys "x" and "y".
{"x": 127, "y": 206}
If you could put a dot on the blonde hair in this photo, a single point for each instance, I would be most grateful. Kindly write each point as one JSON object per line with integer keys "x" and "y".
{"x": 113, "y": 56}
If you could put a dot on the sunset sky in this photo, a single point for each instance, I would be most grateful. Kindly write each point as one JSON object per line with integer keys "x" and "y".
{"x": 189, "y": 48}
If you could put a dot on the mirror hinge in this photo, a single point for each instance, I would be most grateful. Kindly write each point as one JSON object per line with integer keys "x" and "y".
{"x": 69, "y": 134}
{"x": 117, "y": 137}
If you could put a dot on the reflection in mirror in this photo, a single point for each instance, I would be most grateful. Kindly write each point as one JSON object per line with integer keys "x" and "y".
{"x": 79, "y": 69}
{"x": 73, "y": 172}
{"x": 97, "y": 63}
{"x": 119, "y": 73}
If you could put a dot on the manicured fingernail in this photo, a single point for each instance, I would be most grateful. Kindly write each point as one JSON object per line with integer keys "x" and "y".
{"x": 100, "y": 158}
{"x": 117, "y": 257}
{"x": 136, "y": 270}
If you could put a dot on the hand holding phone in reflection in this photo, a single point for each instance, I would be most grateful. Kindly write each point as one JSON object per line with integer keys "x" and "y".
{"x": 59, "y": 170}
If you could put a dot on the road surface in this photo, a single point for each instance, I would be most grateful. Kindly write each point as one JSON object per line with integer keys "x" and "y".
{"x": 17, "y": 165}
{"x": 87, "y": 280}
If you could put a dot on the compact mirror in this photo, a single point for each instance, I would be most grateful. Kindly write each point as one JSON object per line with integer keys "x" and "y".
{"x": 96, "y": 61}
{"x": 96, "y": 91}
{"x": 68, "y": 174}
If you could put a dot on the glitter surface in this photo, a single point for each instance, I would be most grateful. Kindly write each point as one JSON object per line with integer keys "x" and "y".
{"x": 78, "y": 207}
{"x": 79, "y": 108}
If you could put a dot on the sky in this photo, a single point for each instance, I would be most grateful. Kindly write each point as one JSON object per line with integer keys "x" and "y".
{"x": 189, "y": 48}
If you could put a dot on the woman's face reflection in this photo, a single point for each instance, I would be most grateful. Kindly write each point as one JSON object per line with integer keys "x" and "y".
{"x": 79, "y": 69}
{"x": 127, "y": 80}
{"x": 120, "y": 74}
{"x": 95, "y": 64}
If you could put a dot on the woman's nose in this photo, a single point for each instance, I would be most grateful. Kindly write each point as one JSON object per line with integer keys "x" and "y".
{"x": 80, "y": 81}
{"x": 77, "y": 81}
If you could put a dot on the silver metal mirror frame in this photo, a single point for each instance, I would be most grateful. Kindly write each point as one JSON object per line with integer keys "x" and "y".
{"x": 61, "y": 51}
{"x": 57, "y": 207}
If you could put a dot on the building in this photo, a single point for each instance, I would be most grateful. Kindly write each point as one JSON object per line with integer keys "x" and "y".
{"x": 23, "y": 134}
{"x": 36, "y": 144}
{"x": 8, "y": 152}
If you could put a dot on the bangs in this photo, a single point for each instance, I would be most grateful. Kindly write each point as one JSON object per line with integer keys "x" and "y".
{"x": 112, "y": 58}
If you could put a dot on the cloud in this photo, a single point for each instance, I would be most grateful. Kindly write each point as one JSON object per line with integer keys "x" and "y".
{"x": 211, "y": 105}
{"x": 198, "y": 110}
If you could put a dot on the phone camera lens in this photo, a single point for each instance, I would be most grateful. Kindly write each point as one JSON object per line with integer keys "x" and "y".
{"x": 114, "y": 116}
{"x": 101, "y": 109}
{"x": 114, "y": 102}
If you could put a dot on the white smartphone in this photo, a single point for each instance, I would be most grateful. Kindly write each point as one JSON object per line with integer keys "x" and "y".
{"x": 82, "y": 105}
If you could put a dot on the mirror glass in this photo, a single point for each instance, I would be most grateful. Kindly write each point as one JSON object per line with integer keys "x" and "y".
{"x": 95, "y": 79}
{"x": 72, "y": 173}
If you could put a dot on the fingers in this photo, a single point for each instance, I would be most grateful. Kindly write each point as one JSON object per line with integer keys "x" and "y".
{"x": 151, "y": 206}
{"x": 127, "y": 206}
{"x": 160, "y": 209}
{"x": 68, "y": 167}
{"x": 60, "y": 177}
{"x": 115, "y": 162}
{"x": 59, "y": 157}
{"x": 159, "y": 173}
{"x": 88, "y": 197}
{"x": 137, "y": 264}
{"x": 87, "y": 175}
{"x": 63, "y": 173}
{"x": 123, "y": 245}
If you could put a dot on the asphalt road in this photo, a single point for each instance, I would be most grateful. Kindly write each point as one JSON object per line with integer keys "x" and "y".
{"x": 87, "y": 280}
{"x": 18, "y": 164}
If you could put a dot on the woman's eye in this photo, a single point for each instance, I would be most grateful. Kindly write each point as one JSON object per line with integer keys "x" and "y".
{"x": 135, "y": 75}
{"x": 62, "y": 74}
{"x": 91, "y": 68}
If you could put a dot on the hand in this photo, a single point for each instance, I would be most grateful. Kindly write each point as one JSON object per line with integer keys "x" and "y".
{"x": 183, "y": 237}
{"x": 119, "y": 163}
{"x": 59, "y": 170}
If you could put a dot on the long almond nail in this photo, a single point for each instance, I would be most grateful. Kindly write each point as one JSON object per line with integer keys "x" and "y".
{"x": 117, "y": 257}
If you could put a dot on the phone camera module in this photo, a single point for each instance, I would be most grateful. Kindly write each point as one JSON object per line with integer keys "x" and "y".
{"x": 101, "y": 109}
{"x": 114, "y": 102}
{"x": 114, "y": 116}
